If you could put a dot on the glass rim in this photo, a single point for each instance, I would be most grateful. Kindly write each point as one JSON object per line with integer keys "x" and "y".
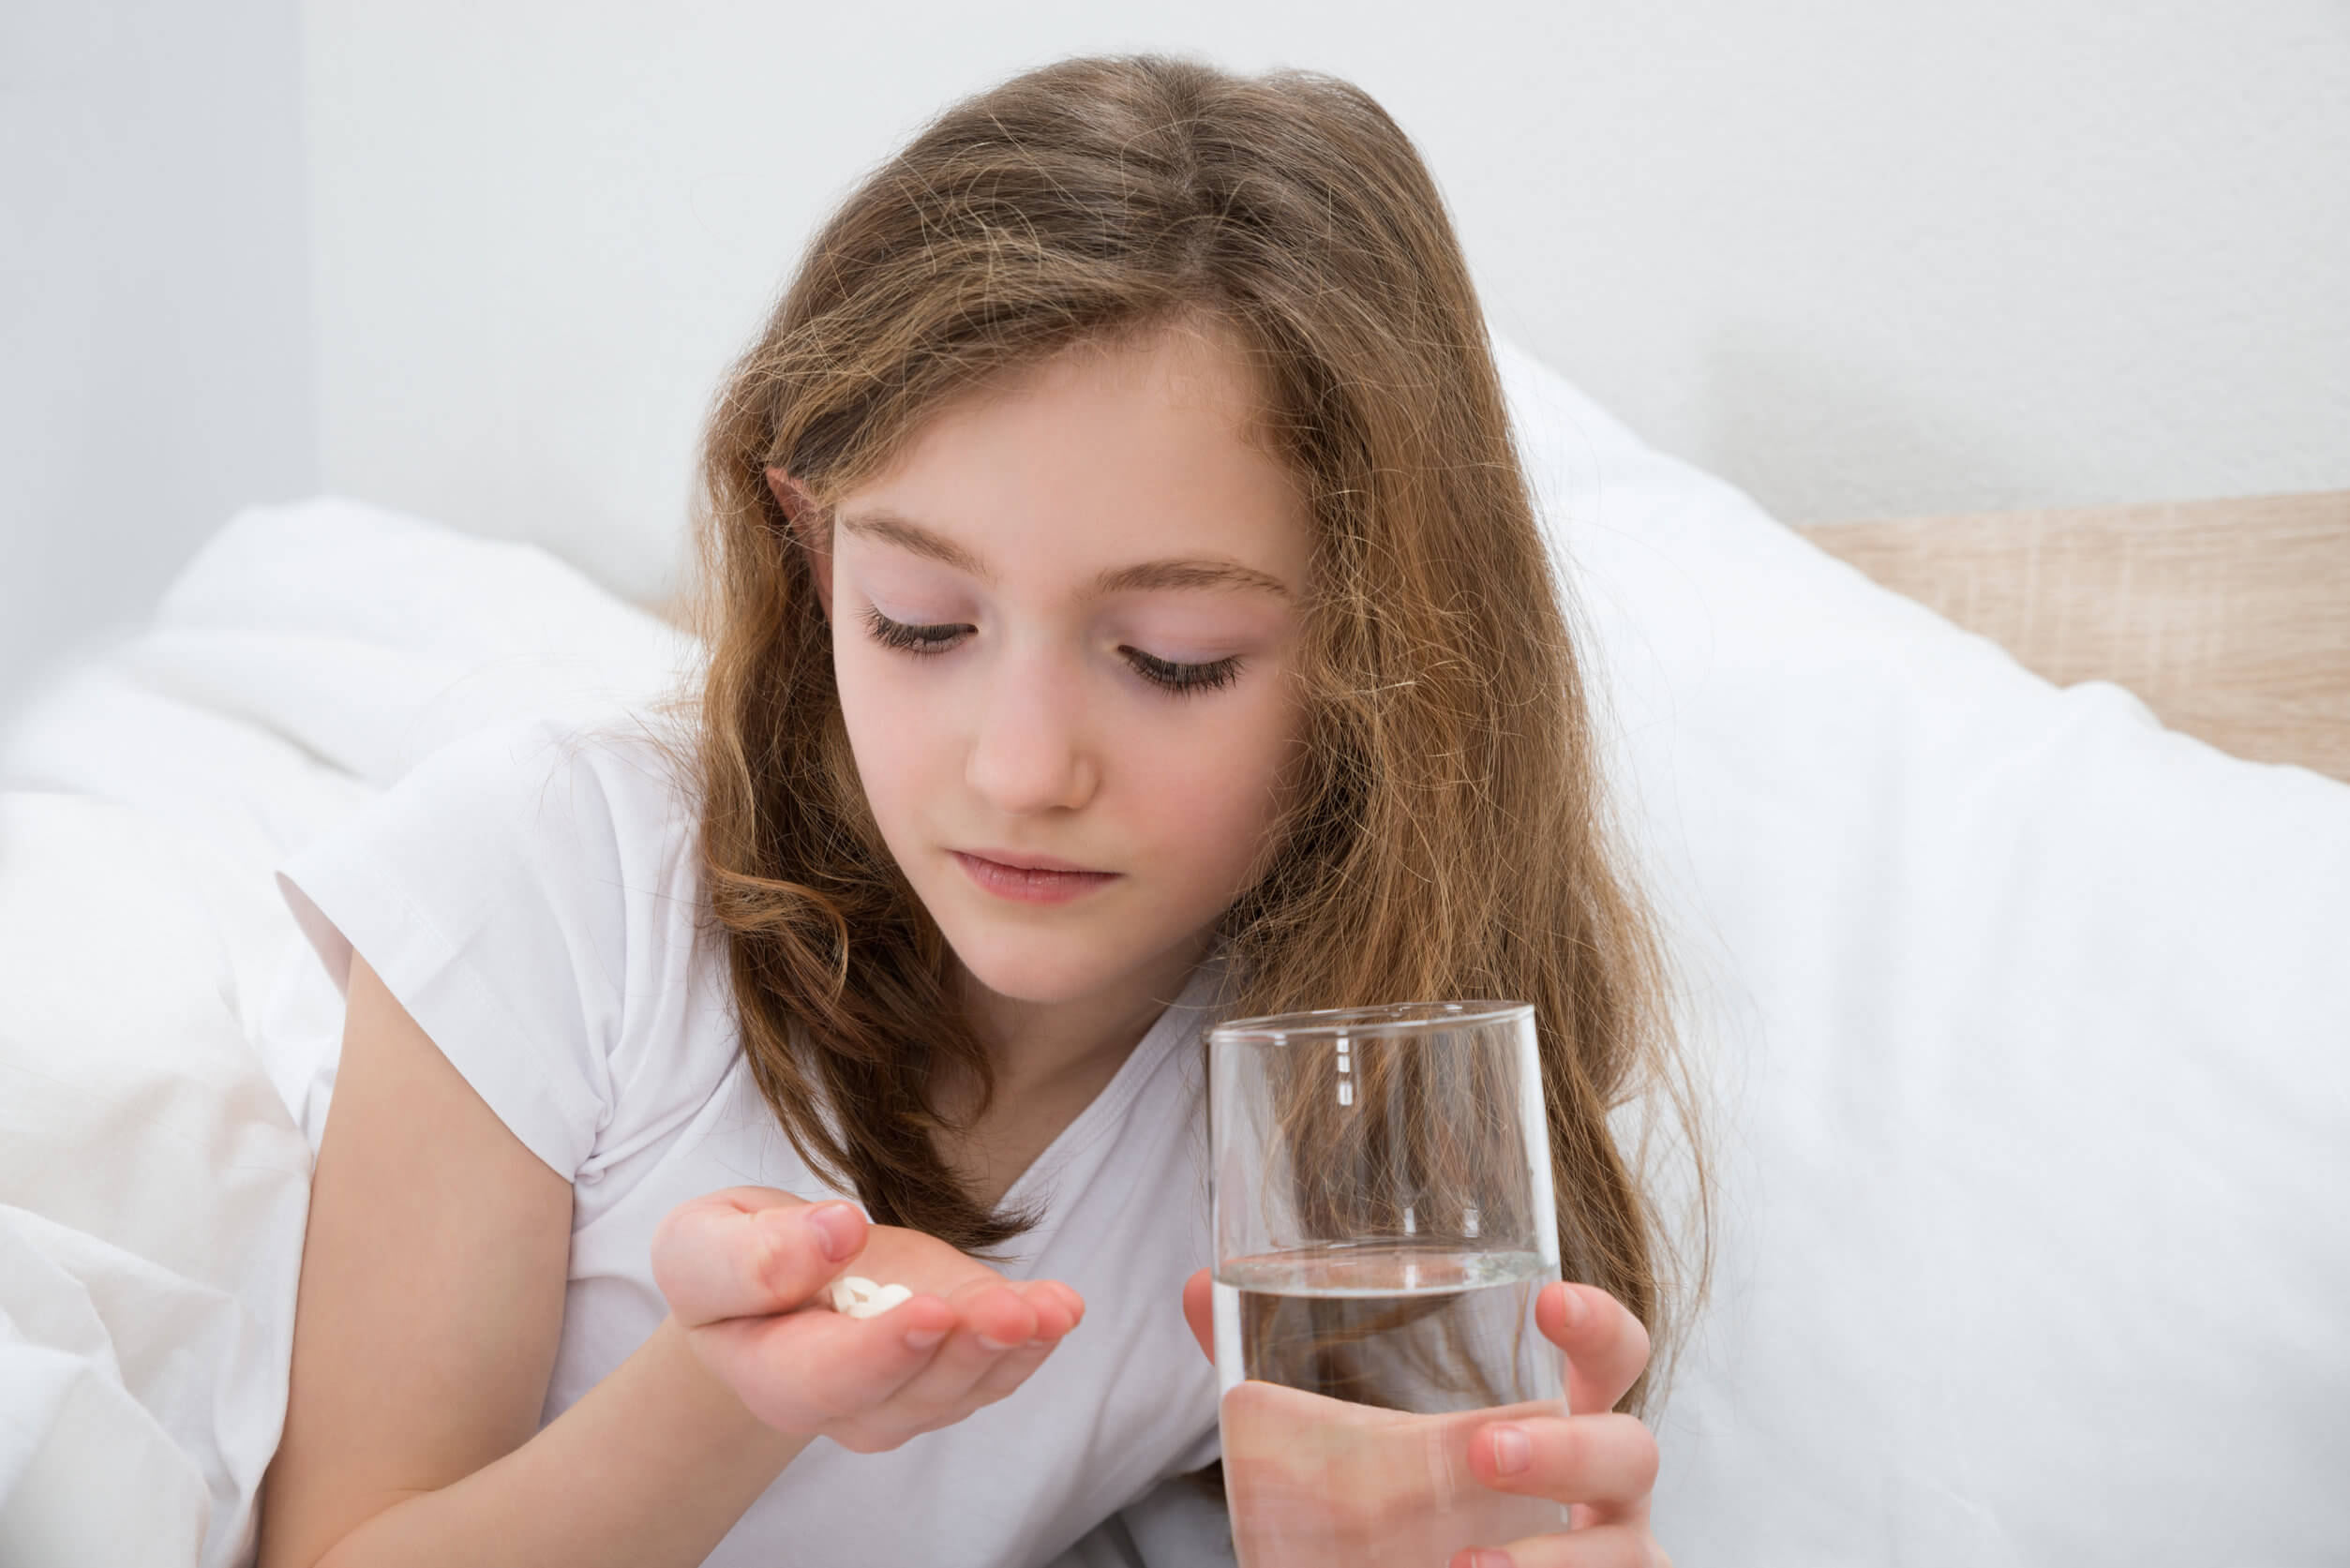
{"x": 1385, "y": 1018}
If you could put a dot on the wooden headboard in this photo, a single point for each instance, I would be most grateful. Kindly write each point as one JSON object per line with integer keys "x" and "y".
{"x": 2230, "y": 619}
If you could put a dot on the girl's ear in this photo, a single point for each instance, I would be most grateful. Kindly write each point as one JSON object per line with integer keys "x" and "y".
{"x": 806, "y": 520}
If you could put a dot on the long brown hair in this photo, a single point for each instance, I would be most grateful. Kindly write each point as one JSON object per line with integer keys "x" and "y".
{"x": 1448, "y": 838}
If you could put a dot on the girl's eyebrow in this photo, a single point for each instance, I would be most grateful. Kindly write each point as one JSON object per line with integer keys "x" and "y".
{"x": 892, "y": 527}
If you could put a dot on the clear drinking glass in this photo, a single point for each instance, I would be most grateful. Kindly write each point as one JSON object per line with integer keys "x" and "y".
{"x": 1384, "y": 1222}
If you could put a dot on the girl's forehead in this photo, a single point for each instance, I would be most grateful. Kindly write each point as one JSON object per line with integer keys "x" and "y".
{"x": 1132, "y": 451}
{"x": 1188, "y": 377}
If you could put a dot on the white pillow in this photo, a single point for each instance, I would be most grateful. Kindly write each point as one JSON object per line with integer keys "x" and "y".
{"x": 2029, "y": 1026}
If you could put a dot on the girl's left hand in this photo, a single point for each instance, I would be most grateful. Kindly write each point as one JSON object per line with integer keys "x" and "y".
{"x": 1603, "y": 1465}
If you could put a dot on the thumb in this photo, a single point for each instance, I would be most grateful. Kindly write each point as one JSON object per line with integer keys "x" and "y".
{"x": 750, "y": 1252}
{"x": 1606, "y": 1345}
{"x": 1199, "y": 1310}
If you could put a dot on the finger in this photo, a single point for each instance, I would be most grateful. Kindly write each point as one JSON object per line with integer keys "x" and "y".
{"x": 940, "y": 1389}
{"x": 997, "y": 1324}
{"x": 1199, "y": 1310}
{"x": 1605, "y": 1347}
{"x": 716, "y": 1259}
{"x": 1000, "y": 1316}
{"x": 800, "y": 1371}
{"x": 1059, "y": 1306}
{"x": 1010, "y": 1370}
{"x": 967, "y": 1375}
{"x": 1605, "y": 1461}
{"x": 1602, "y": 1546}
{"x": 1013, "y": 1367}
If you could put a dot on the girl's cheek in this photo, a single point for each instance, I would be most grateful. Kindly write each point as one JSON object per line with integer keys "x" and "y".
{"x": 1212, "y": 801}
{"x": 892, "y": 727}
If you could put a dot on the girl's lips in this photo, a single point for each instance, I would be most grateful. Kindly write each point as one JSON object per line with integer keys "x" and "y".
{"x": 1031, "y": 887}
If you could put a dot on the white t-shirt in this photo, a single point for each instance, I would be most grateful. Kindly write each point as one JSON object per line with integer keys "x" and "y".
{"x": 529, "y": 894}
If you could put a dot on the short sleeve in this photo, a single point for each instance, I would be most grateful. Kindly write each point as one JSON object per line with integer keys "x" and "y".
{"x": 486, "y": 888}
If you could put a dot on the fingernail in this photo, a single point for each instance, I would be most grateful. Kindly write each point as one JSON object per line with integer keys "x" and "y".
{"x": 987, "y": 1342}
{"x": 923, "y": 1339}
{"x": 1512, "y": 1453}
{"x": 835, "y": 1226}
{"x": 1578, "y": 1310}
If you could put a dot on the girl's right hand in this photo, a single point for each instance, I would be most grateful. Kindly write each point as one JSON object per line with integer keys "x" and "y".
{"x": 745, "y": 1272}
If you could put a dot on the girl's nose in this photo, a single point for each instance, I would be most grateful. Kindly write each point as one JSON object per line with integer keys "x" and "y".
{"x": 1028, "y": 748}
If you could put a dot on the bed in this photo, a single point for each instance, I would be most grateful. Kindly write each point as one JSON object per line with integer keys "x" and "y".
{"x": 2230, "y": 619}
{"x": 2006, "y": 861}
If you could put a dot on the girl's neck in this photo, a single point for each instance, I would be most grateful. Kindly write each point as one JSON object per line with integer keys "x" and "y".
{"x": 1051, "y": 1061}
{"x": 1037, "y": 1044}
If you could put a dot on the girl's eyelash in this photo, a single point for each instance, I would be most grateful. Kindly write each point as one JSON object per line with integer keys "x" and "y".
{"x": 913, "y": 639}
{"x": 1180, "y": 680}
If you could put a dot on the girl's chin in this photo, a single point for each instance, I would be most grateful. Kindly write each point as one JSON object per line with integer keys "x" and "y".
{"x": 1040, "y": 971}
{"x": 1038, "y": 984}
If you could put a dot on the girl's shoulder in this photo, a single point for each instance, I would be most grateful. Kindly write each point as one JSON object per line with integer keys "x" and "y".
{"x": 529, "y": 893}
{"x": 631, "y": 767}
{"x": 596, "y": 811}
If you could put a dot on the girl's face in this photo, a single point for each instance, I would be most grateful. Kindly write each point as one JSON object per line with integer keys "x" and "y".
{"x": 1063, "y": 630}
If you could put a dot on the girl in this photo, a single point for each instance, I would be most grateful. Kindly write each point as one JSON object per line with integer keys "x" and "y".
{"x": 1124, "y": 608}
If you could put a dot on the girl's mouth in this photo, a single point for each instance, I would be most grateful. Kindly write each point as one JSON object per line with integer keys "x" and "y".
{"x": 1031, "y": 887}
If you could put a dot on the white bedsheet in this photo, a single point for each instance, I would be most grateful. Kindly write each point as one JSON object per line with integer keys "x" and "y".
{"x": 153, "y": 1182}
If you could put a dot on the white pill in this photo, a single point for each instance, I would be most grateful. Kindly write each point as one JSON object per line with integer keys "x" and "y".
{"x": 858, "y": 1297}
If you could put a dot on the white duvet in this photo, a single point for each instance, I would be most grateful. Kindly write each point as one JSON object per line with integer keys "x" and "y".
{"x": 153, "y": 1183}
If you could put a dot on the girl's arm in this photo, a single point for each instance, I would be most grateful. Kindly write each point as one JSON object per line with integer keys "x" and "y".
{"x": 430, "y": 1302}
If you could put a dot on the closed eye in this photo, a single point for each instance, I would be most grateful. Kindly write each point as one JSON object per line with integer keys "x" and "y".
{"x": 1180, "y": 679}
{"x": 913, "y": 639}
{"x": 1184, "y": 679}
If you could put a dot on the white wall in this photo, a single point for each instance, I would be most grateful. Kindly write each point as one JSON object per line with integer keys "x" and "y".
{"x": 154, "y": 322}
{"x": 1861, "y": 257}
